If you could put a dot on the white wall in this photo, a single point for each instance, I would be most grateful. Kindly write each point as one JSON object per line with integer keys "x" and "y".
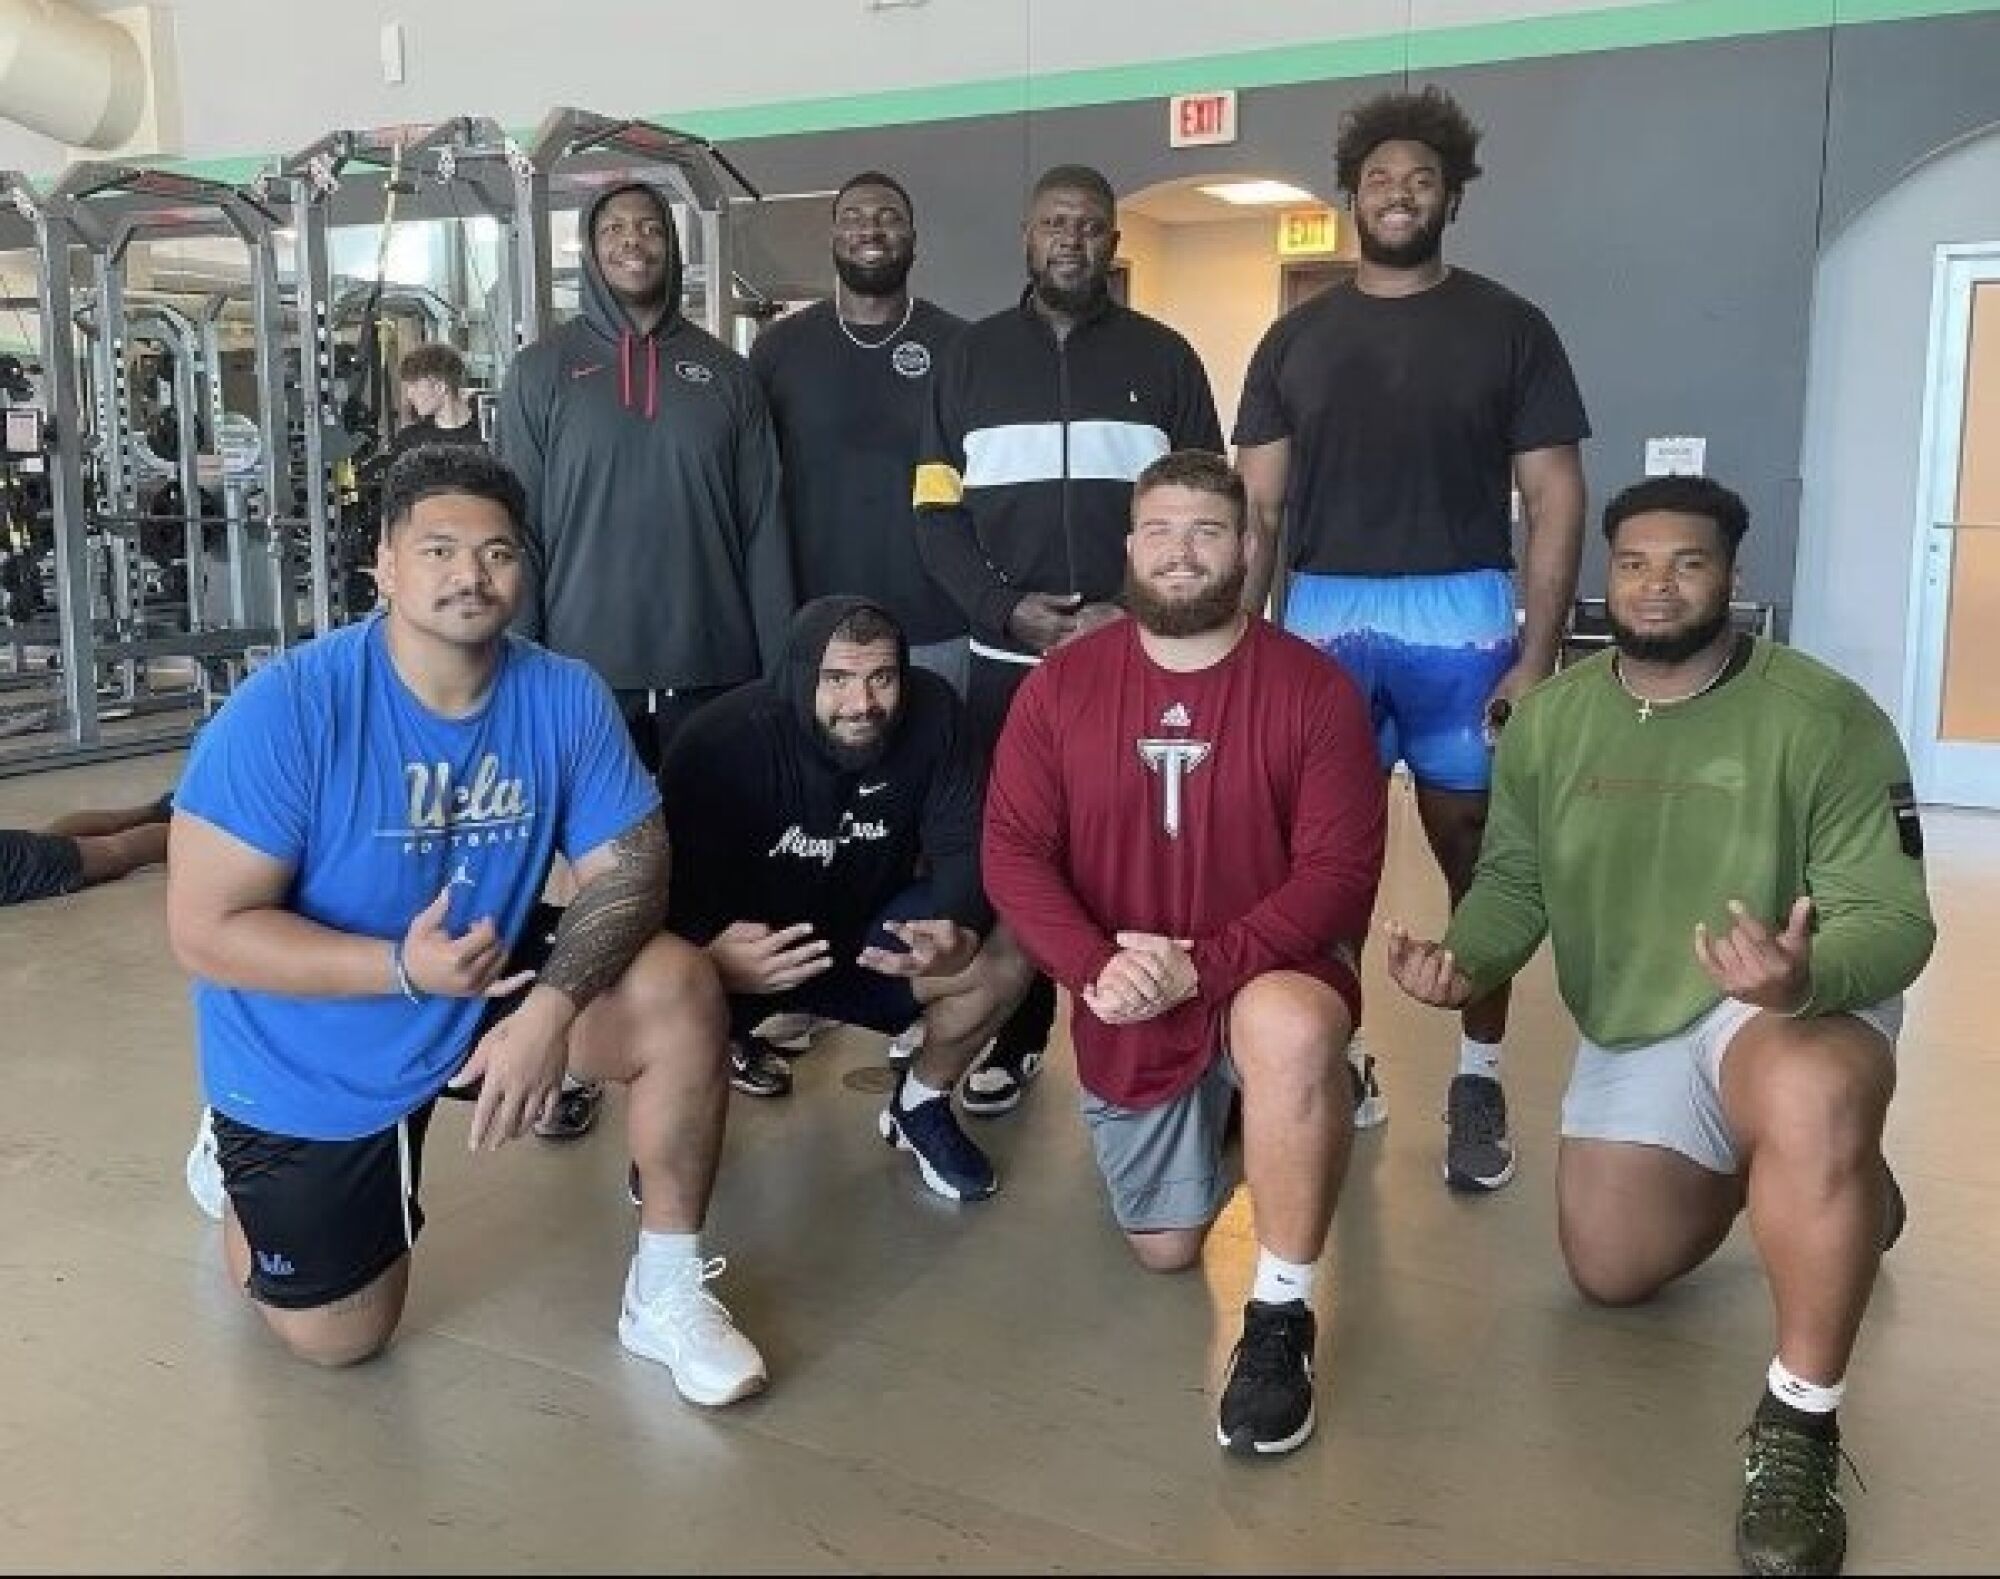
{"x": 1219, "y": 286}
{"x": 268, "y": 76}
{"x": 1859, "y": 510}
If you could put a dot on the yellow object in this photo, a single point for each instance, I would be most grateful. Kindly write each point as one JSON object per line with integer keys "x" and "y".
{"x": 1308, "y": 233}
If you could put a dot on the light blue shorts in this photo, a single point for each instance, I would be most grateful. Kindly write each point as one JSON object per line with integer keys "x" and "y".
{"x": 1426, "y": 652}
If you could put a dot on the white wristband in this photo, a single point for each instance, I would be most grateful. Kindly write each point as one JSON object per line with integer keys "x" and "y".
{"x": 403, "y": 972}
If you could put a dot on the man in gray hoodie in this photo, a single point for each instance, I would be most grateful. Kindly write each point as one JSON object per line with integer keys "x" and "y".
{"x": 646, "y": 450}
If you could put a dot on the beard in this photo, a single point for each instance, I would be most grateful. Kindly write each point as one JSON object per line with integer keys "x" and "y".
{"x": 1422, "y": 245}
{"x": 1668, "y": 646}
{"x": 852, "y": 756}
{"x": 1074, "y": 301}
{"x": 886, "y": 278}
{"x": 1209, "y": 609}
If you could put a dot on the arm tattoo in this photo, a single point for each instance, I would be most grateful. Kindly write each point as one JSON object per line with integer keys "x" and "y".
{"x": 614, "y": 916}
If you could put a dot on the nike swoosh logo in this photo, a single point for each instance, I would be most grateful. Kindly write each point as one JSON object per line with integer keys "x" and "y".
{"x": 870, "y": 789}
{"x": 586, "y": 370}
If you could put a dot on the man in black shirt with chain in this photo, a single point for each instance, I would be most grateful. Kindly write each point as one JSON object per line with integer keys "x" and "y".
{"x": 848, "y": 381}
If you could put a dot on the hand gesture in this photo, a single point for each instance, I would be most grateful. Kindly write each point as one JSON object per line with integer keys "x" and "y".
{"x": 1755, "y": 965}
{"x": 930, "y": 948}
{"x": 519, "y": 1067}
{"x": 1043, "y": 620}
{"x": 1425, "y": 970}
{"x": 466, "y": 966}
{"x": 751, "y": 957}
{"x": 1149, "y": 976}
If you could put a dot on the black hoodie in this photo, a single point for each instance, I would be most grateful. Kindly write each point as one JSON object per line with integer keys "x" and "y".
{"x": 652, "y": 482}
{"x": 769, "y": 825}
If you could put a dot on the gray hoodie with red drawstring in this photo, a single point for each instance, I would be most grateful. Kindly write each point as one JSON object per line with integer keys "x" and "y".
{"x": 653, "y": 494}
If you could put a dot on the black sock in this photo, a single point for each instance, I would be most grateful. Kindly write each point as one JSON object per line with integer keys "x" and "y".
{"x": 1826, "y": 1427}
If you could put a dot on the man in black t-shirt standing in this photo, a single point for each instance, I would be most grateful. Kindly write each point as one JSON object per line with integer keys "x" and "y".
{"x": 1383, "y": 429}
{"x": 848, "y": 382}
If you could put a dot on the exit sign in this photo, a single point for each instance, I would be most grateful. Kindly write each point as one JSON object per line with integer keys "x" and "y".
{"x": 1199, "y": 120}
{"x": 1308, "y": 233}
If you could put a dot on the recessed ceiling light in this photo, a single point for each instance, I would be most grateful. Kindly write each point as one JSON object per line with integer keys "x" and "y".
{"x": 1249, "y": 193}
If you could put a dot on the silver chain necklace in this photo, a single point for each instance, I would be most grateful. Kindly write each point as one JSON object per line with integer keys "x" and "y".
{"x": 909, "y": 306}
{"x": 1647, "y": 704}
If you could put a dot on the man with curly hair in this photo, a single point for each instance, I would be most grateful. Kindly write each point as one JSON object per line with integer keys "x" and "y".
{"x": 1384, "y": 427}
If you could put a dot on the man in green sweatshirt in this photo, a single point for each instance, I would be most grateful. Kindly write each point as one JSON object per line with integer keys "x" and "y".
{"x": 1719, "y": 839}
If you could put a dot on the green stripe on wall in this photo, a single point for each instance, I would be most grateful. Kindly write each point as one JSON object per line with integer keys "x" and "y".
{"x": 1578, "y": 32}
{"x": 1529, "y": 38}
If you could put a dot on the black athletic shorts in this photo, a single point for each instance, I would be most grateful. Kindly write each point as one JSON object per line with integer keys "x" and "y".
{"x": 849, "y": 994}
{"x": 325, "y": 1218}
{"x": 37, "y": 866}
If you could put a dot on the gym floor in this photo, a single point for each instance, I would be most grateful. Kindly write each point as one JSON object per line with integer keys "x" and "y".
{"x": 994, "y": 1387}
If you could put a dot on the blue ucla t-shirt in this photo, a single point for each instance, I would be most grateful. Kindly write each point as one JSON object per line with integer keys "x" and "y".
{"x": 326, "y": 761}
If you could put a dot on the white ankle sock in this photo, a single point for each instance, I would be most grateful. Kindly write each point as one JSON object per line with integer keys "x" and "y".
{"x": 915, "y": 1093}
{"x": 659, "y": 1258}
{"x": 1810, "y": 1397}
{"x": 1478, "y": 1058}
{"x": 1280, "y": 1281}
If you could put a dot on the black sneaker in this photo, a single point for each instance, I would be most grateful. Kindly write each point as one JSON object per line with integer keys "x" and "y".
{"x": 1791, "y": 1521}
{"x": 995, "y": 1083}
{"x": 1267, "y": 1402}
{"x": 1895, "y": 1212}
{"x": 758, "y": 1069}
{"x": 574, "y": 1113}
{"x": 1478, "y": 1154}
{"x": 951, "y": 1165}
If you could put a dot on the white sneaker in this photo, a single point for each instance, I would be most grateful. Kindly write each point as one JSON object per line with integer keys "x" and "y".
{"x": 688, "y": 1330}
{"x": 204, "y": 1169}
{"x": 1371, "y": 1108}
{"x": 907, "y": 1044}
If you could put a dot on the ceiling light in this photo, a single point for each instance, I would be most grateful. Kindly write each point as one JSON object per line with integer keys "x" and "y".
{"x": 1249, "y": 193}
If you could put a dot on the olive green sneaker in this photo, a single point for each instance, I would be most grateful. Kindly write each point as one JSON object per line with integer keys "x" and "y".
{"x": 1791, "y": 1521}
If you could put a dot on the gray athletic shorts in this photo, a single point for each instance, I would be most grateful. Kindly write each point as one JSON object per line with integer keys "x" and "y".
{"x": 1164, "y": 1166}
{"x": 1669, "y": 1093}
{"x": 37, "y": 866}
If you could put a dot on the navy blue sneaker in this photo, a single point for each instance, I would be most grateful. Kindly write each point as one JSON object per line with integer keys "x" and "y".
{"x": 950, "y": 1163}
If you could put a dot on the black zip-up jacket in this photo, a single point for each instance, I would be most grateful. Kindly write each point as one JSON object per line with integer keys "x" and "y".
{"x": 1024, "y": 483}
{"x": 768, "y": 825}
{"x": 652, "y": 481}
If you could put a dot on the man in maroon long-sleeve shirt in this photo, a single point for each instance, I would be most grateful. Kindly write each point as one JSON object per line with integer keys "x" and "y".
{"x": 1184, "y": 827}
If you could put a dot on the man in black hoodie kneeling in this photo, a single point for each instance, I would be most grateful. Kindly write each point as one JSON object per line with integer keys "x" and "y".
{"x": 825, "y": 826}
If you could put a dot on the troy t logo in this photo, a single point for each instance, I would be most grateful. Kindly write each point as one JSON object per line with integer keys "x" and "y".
{"x": 1172, "y": 759}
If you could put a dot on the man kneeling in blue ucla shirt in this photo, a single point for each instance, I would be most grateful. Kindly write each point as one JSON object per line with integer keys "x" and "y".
{"x": 359, "y": 849}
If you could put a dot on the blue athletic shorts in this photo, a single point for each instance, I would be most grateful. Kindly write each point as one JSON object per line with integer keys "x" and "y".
{"x": 1426, "y": 652}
